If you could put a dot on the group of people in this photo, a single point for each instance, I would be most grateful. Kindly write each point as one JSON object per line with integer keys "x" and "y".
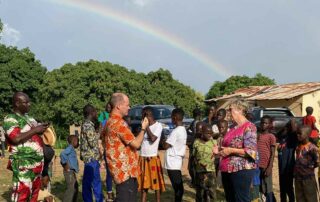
{"x": 244, "y": 156}
{"x": 226, "y": 149}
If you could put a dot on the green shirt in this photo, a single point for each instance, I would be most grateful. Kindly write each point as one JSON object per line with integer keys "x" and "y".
{"x": 103, "y": 116}
{"x": 203, "y": 155}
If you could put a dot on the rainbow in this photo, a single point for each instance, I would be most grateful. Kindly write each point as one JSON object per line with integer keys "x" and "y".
{"x": 144, "y": 27}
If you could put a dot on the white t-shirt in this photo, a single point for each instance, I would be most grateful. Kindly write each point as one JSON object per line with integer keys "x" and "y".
{"x": 148, "y": 148}
{"x": 174, "y": 155}
{"x": 215, "y": 129}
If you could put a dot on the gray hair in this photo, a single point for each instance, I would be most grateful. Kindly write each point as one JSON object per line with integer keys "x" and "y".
{"x": 240, "y": 104}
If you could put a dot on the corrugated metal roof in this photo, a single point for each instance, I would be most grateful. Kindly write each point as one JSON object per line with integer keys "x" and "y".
{"x": 285, "y": 91}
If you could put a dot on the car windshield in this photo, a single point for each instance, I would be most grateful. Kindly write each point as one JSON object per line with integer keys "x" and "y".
{"x": 159, "y": 112}
{"x": 162, "y": 112}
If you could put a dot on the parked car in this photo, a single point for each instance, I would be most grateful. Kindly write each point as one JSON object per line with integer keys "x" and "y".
{"x": 162, "y": 114}
{"x": 281, "y": 116}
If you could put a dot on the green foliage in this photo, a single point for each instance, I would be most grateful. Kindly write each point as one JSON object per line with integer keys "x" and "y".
{"x": 235, "y": 82}
{"x": 1, "y": 26}
{"x": 65, "y": 91}
{"x": 59, "y": 96}
{"x": 20, "y": 71}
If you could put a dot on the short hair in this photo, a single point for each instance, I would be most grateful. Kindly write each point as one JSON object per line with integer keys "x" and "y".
{"x": 116, "y": 99}
{"x": 16, "y": 95}
{"x": 240, "y": 104}
{"x": 309, "y": 110}
{"x": 222, "y": 122}
{"x": 107, "y": 104}
{"x": 196, "y": 112}
{"x": 206, "y": 126}
{"x": 148, "y": 109}
{"x": 307, "y": 128}
{"x": 223, "y": 111}
{"x": 87, "y": 110}
{"x": 267, "y": 117}
{"x": 179, "y": 113}
{"x": 250, "y": 116}
{"x": 70, "y": 138}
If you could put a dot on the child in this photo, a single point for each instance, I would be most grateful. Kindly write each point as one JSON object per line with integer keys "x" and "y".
{"x": 287, "y": 139}
{"x": 151, "y": 177}
{"x": 204, "y": 151}
{"x": 266, "y": 149}
{"x": 223, "y": 129}
{"x": 221, "y": 115}
{"x": 44, "y": 193}
{"x": 70, "y": 165}
{"x": 310, "y": 120}
{"x": 175, "y": 147}
{"x": 307, "y": 159}
{"x": 192, "y": 132}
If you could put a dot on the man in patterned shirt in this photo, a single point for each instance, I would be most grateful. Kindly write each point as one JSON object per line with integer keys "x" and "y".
{"x": 121, "y": 148}
{"x": 89, "y": 153}
{"x": 26, "y": 149}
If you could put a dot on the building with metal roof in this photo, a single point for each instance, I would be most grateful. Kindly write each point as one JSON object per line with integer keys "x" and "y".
{"x": 295, "y": 96}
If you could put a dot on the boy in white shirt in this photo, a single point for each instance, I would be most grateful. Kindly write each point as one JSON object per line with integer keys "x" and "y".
{"x": 175, "y": 147}
{"x": 151, "y": 170}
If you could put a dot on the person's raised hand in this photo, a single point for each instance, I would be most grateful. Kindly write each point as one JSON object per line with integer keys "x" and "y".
{"x": 145, "y": 123}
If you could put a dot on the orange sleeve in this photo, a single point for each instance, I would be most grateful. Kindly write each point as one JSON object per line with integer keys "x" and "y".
{"x": 125, "y": 133}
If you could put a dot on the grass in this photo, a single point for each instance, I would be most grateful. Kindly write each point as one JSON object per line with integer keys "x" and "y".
{"x": 59, "y": 187}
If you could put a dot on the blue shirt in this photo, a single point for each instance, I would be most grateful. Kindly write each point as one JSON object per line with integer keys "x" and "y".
{"x": 69, "y": 156}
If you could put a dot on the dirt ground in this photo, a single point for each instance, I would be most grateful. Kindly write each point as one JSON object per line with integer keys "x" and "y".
{"x": 58, "y": 184}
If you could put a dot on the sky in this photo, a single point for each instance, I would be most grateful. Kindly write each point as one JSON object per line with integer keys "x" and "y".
{"x": 198, "y": 41}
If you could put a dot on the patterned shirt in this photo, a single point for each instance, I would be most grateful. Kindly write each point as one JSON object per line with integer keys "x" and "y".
{"x": 25, "y": 159}
{"x": 122, "y": 159}
{"x": 307, "y": 159}
{"x": 2, "y": 134}
{"x": 89, "y": 138}
{"x": 202, "y": 152}
{"x": 241, "y": 137}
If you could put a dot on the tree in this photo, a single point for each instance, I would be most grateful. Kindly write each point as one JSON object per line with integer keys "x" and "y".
{"x": 1, "y": 27}
{"x": 65, "y": 91}
{"x": 235, "y": 82}
{"x": 20, "y": 71}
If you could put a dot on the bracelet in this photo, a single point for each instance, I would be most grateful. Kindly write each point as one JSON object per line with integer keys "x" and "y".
{"x": 142, "y": 129}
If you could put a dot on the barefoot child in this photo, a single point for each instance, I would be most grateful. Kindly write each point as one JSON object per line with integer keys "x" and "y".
{"x": 70, "y": 165}
{"x": 266, "y": 149}
{"x": 307, "y": 159}
{"x": 204, "y": 151}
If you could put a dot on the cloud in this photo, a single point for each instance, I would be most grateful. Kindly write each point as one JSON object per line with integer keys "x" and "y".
{"x": 9, "y": 35}
{"x": 141, "y": 3}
